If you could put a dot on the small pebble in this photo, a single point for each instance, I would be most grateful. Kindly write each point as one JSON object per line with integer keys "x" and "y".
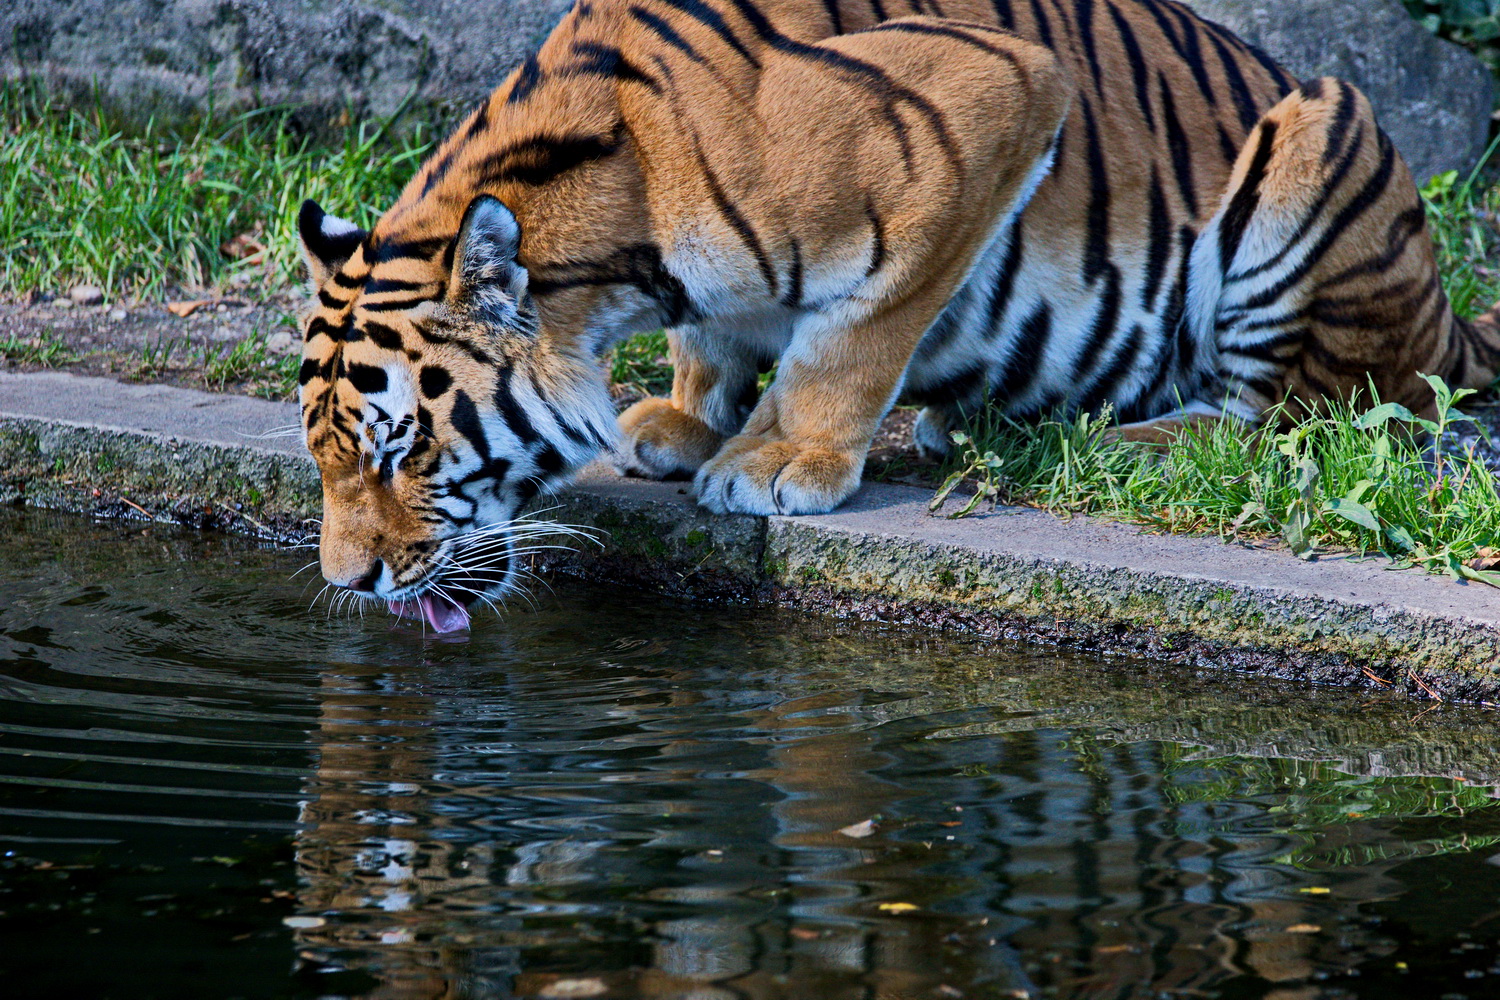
{"x": 280, "y": 343}
{"x": 86, "y": 295}
{"x": 118, "y": 315}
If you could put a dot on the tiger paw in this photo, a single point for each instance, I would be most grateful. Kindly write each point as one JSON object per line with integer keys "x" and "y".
{"x": 758, "y": 475}
{"x": 659, "y": 441}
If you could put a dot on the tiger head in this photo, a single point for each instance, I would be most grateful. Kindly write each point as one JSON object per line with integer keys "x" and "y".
{"x": 435, "y": 409}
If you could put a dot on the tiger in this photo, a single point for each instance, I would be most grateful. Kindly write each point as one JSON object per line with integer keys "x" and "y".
{"x": 1024, "y": 204}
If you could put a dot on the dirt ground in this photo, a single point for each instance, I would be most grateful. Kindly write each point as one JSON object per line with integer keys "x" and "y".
{"x": 148, "y": 342}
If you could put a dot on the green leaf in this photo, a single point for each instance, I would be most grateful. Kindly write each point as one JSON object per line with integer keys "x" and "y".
{"x": 1294, "y": 532}
{"x": 1381, "y": 415}
{"x": 948, "y": 486}
{"x": 1351, "y": 511}
{"x": 1307, "y": 478}
{"x": 1400, "y": 537}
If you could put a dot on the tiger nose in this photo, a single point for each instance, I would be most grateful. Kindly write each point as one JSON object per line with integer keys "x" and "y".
{"x": 366, "y": 583}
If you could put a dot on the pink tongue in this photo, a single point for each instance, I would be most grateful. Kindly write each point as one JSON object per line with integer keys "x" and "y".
{"x": 442, "y": 614}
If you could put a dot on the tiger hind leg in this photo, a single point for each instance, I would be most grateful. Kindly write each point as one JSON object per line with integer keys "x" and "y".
{"x": 1316, "y": 278}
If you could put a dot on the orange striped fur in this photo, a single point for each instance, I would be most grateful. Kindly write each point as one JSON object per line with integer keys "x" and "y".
{"x": 1032, "y": 203}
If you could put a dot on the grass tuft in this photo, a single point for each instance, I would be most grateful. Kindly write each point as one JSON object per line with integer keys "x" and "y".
{"x": 142, "y": 213}
{"x": 1360, "y": 478}
{"x": 44, "y": 350}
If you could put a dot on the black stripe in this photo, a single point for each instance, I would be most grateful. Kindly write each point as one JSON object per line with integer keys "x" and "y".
{"x": 1159, "y": 251}
{"x": 1108, "y": 381}
{"x": 1084, "y": 11}
{"x": 1043, "y": 25}
{"x": 964, "y": 387}
{"x": 1177, "y": 143}
{"x": 330, "y": 300}
{"x": 1096, "y": 248}
{"x": 505, "y": 401}
{"x": 1187, "y": 346}
{"x": 793, "y": 296}
{"x": 1398, "y": 236}
{"x": 879, "y": 9}
{"x": 831, "y": 7}
{"x": 666, "y": 32}
{"x": 637, "y": 264}
{"x": 347, "y": 281}
{"x": 379, "y": 285}
{"x": 368, "y": 379}
{"x": 1340, "y": 127}
{"x": 737, "y": 221}
{"x": 541, "y": 158}
{"x": 465, "y": 420}
{"x": 382, "y": 251}
{"x": 1193, "y": 54}
{"x": 549, "y": 461}
{"x": 1246, "y": 198}
{"x": 608, "y": 62}
{"x": 382, "y": 335}
{"x": 480, "y": 121}
{"x": 1005, "y": 282}
{"x": 398, "y": 305}
{"x": 714, "y": 21}
{"x": 891, "y": 92}
{"x": 1138, "y": 69}
{"x": 332, "y": 332}
{"x": 1106, "y": 320}
{"x": 1004, "y": 15}
{"x": 1227, "y": 147}
{"x": 526, "y": 81}
{"x": 1239, "y": 91}
{"x": 1030, "y": 348}
{"x": 308, "y": 371}
{"x": 1268, "y": 350}
{"x": 951, "y": 32}
{"x": 438, "y": 169}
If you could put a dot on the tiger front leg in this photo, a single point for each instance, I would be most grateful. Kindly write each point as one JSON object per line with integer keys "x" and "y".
{"x": 713, "y": 390}
{"x": 803, "y": 448}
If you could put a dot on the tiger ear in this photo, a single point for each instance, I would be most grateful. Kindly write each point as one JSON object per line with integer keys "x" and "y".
{"x": 486, "y": 277}
{"x": 327, "y": 241}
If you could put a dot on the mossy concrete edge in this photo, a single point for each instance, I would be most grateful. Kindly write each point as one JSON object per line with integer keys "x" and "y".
{"x": 206, "y": 460}
{"x": 1191, "y": 620}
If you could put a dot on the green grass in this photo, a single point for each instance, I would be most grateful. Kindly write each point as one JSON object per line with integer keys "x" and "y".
{"x": 138, "y": 214}
{"x": 1357, "y": 479}
{"x": 1462, "y": 217}
{"x": 45, "y": 350}
{"x": 639, "y": 365}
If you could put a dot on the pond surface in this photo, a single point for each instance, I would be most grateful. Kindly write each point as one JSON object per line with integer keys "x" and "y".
{"x": 207, "y": 790}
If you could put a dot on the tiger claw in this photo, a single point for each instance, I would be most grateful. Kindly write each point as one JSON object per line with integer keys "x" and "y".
{"x": 754, "y": 475}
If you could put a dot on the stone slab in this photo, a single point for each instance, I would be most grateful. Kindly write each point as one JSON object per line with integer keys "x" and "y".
{"x": 92, "y": 444}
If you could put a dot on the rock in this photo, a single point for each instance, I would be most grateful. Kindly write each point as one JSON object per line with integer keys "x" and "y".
{"x": 1432, "y": 97}
{"x": 86, "y": 295}
{"x": 163, "y": 59}
{"x": 118, "y": 315}
{"x": 281, "y": 343}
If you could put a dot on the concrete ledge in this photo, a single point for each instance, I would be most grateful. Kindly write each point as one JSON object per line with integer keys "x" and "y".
{"x": 99, "y": 446}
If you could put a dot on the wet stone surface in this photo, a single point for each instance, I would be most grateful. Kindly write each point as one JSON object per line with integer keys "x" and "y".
{"x": 210, "y": 789}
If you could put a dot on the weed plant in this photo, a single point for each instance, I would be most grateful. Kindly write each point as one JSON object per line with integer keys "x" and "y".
{"x": 136, "y": 214}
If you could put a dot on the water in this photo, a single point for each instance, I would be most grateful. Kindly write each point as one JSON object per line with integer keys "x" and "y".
{"x": 207, "y": 790}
